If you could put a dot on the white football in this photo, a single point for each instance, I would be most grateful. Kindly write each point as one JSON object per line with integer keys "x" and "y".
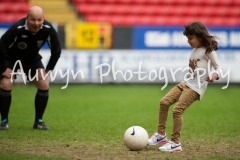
{"x": 136, "y": 138}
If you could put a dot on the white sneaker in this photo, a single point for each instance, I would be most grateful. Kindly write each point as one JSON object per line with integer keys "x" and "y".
{"x": 157, "y": 139}
{"x": 171, "y": 147}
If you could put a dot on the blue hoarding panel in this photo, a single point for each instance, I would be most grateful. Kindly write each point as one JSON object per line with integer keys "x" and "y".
{"x": 172, "y": 37}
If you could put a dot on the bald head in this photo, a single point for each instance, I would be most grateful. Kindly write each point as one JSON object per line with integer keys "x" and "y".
{"x": 35, "y": 10}
{"x": 35, "y": 18}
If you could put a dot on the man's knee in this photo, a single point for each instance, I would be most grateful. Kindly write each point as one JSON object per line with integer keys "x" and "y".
{"x": 42, "y": 84}
{"x": 6, "y": 84}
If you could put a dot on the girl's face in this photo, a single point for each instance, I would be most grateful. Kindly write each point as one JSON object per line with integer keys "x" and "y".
{"x": 194, "y": 41}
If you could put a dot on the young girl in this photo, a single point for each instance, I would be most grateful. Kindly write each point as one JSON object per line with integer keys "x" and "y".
{"x": 191, "y": 89}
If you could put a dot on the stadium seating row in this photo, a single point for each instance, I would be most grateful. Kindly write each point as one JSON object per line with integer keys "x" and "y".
{"x": 120, "y": 9}
{"x": 171, "y": 2}
{"x": 18, "y": 7}
{"x": 160, "y": 12}
{"x": 160, "y": 20}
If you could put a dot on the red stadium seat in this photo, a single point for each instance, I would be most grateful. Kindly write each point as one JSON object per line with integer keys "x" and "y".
{"x": 156, "y": 10}
{"x": 3, "y": 7}
{"x": 86, "y": 9}
{"x": 218, "y": 2}
{"x": 229, "y": 11}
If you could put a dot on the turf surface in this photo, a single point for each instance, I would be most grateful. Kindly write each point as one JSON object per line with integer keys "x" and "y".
{"x": 88, "y": 122}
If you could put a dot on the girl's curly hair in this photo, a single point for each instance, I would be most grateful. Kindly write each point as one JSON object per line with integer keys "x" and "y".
{"x": 201, "y": 31}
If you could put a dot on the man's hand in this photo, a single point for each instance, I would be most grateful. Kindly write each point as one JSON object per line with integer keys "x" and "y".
{"x": 214, "y": 77}
{"x": 41, "y": 74}
{"x": 7, "y": 73}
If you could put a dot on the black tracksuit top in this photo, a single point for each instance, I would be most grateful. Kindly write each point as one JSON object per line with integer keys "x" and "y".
{"x": 18, "y": 43}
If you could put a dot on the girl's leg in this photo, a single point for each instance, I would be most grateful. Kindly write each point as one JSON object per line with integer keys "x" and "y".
{"x": 187, "y": 97}
{"x": 171, "y": 97}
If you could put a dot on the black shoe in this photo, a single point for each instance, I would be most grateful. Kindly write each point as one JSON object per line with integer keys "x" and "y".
{"x": 40, "y": 125}
{"x": 4, "y": 125}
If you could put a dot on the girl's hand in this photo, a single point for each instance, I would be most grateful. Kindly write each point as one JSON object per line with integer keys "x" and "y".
{"x": 214, "y": 77}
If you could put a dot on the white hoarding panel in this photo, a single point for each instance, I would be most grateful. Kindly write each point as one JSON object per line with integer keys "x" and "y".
{"x": 133, "y": 66}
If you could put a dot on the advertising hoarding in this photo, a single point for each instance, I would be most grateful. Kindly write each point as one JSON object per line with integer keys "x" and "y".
{"x": 156, "y": 37}
{"x": 133, "y": 66}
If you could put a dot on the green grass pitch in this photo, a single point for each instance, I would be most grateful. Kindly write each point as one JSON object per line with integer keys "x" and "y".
{"x": 89, "y": 121}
